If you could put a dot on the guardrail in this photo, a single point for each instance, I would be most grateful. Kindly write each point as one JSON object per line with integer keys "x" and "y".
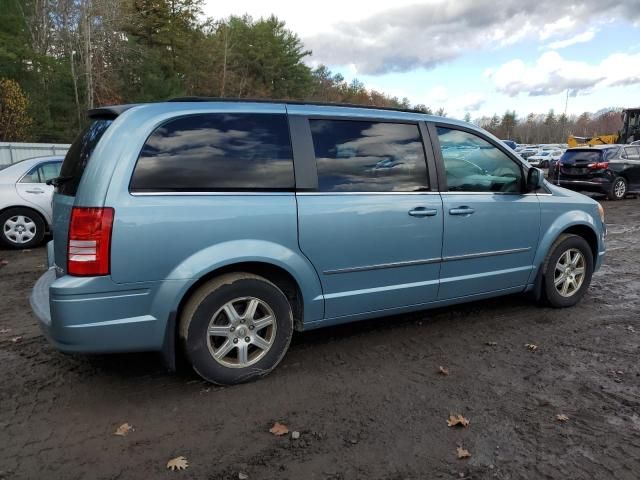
{"x": 12, "y": 152}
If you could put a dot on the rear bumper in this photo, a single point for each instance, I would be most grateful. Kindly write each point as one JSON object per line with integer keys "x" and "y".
{"x": 95, "y": 315}
{"x": 596, "y": 185}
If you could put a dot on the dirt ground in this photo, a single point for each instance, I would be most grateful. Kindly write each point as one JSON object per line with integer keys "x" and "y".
{"x": 367, "y": 398}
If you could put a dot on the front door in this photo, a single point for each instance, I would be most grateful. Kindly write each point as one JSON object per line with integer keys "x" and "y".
{"x": 491, "y": 227}
{"x": 373, "y": 228}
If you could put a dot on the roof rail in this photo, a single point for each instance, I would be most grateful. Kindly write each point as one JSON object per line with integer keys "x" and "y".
{"x": 290, "y": 102}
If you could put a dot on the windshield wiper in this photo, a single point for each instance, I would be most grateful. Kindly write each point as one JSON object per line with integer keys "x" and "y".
{"x": 58, "y": 180}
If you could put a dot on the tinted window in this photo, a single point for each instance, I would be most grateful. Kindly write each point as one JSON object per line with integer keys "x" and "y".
{"x": 212, "y": 152}
{"x": 632, "y": 153}
{"x": 78, "y": 156}
{"x": 472, "y": 164}
{"x": 572, "y": 156}
{"x": 42, "y": 172}
{"x": 361, "y": 156}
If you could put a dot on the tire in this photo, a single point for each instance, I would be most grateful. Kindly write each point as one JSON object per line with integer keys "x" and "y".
{"x": 618, "y": 189}
{"x": 570, "y": 245}
{"x": 213, "y": 305}
{"x": 21, "y": 228}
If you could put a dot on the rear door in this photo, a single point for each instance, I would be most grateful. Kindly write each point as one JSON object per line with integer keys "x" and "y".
{"x": 574, "y": 164}
{"x": 371, "y": 221}
{"x": 491, "y": 228}
{"x": 34, "y": 189}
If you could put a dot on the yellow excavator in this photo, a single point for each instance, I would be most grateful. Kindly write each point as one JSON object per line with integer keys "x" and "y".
{"x": 630, "y": 132}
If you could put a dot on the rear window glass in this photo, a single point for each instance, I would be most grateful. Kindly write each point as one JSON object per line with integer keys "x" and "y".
{"x": 582, "y": 156}
{"x": 217, "y": 152}
{"x": 364, "y": 156}
{"x": 78, "y": 156}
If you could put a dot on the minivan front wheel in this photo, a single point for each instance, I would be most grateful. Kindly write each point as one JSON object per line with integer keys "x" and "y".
{"x": 567, "y": 271}
{"x": 235, "y": 328}
{"x": 618, "y": 189}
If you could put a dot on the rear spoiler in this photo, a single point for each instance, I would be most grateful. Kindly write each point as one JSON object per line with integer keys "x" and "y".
{"x": 109, "y": 112}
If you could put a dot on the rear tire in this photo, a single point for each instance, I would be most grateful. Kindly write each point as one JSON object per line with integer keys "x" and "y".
{"x": 618, "y": 189}
{"x": 21, "y": 228}
{"x": 236, "y": 328}
{"x": 567, "y": 271}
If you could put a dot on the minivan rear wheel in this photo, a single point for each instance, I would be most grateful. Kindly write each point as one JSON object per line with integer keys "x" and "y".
{"x": 567, "y": 271}
{"x": 21, "y": 228}
{"x": 618, "y": 189}
{"x": 235, "y": 328}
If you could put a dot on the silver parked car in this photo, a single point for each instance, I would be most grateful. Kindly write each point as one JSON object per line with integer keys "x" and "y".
{"x": 25, "y": 200}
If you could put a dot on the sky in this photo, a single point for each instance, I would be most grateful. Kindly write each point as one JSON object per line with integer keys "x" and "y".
{"x": 472, "y": 56}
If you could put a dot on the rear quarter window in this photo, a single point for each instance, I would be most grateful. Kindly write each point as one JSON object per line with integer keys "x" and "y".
{"x": 78, "y": 156}
{"x": 217, "y": 152}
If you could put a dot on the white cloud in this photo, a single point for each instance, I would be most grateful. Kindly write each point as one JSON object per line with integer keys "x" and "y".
{"x": 407, "y": 37}
{"x": 583, "y": 37}
{"x": 552, "y": 74}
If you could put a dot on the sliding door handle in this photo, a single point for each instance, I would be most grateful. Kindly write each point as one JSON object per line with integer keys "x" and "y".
{"x": 423, "y": 212}
{"x": 461, "y": 211}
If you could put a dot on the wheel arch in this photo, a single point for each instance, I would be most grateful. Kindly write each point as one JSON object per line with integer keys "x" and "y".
{"x": 279, "y": 276}
{"x": 577, "y": 223}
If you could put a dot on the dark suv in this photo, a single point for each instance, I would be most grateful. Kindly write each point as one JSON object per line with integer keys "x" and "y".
{"x": 610, "y": 169}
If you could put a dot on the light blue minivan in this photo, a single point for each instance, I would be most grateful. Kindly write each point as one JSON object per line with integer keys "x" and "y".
{"x": 214, "y": 229}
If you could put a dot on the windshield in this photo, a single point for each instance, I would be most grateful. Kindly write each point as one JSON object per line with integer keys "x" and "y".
{"x": 78, "y": 156}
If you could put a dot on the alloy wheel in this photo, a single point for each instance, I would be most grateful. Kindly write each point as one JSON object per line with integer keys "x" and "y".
{"x": 569, "y": 272}
{"x": 241, "y": 332}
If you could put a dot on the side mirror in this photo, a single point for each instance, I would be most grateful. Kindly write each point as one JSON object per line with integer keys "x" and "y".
{"x": 535, "y": 179}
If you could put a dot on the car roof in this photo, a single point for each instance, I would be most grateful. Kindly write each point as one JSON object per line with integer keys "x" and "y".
{"x": 292, "y": 106}
{"x": 19, "y": 168}
{"x": 594, "y": 147}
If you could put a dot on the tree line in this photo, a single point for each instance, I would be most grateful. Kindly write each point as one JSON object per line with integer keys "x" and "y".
{"x": 551, "y": 128}
{"x": 59, "y": 58}
{"x": 67, "y": 56}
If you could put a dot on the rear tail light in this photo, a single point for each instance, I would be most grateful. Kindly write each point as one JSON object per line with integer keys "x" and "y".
{"x": 89, "y": 245}
{"x": 598, "y": 165}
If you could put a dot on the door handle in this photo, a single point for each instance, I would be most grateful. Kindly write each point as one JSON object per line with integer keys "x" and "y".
{"x": 423, "y": 212}
{"x": 464, "y": 210}
{"x": 35, "y": 190}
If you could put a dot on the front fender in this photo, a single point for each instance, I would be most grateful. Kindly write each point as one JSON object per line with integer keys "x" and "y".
{"x": 560, "y": 224}
{"x": 228, "y": 253}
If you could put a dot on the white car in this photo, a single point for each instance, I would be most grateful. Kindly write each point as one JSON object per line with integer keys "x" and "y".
{"x": 543, "y": 158}
{"x": 25, "y": 201}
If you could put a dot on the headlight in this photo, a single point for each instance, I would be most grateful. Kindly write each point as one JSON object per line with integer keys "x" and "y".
{"x": 601, "y": 212}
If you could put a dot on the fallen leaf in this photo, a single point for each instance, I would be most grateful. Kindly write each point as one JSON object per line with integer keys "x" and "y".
{"x": 123, "y": 430}
{"x": 492, "y": 344}
{"x": 243, "y": 476}
{"x": 457, "y": 420}
{"x": 531, "y": 346}
{"x": 5, "y": 330}
{"x": 443, "y": 371}
{"x": 462, "y": 452}
{"x": 279, "y": 429}
{"x": 295, "y": 435}
{"x": 178, "y": 463}
{"x": 561, "y": 417}
{"x": 4, "y": 262}
{"x": 16, "y": 339}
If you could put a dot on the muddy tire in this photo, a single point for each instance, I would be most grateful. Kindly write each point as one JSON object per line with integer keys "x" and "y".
{"x": 567, "y": 271}
{"x": 21, "y": 228}
{"x": 236, "y": 328}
